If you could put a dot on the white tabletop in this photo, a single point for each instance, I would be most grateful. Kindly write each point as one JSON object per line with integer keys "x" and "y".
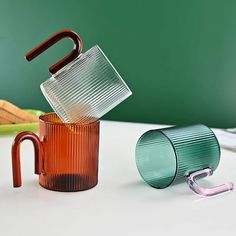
{"x": 121, "y": 204}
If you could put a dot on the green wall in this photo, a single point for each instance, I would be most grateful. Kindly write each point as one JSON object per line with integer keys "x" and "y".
{"x": 177, "y": 56}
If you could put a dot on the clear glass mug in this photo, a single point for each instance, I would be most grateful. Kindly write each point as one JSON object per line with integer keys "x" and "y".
{"x": 171, "y": 155}
{"x": 83, "y": 86}
{"x": 66, "y": 154}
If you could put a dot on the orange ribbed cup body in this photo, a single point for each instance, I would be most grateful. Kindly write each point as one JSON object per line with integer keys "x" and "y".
{"x": 69, "y": 155}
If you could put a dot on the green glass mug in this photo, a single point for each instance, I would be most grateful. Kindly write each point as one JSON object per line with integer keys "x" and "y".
{"x": 170, "y": 155}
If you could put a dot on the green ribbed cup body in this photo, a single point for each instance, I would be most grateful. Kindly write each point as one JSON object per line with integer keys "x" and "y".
{"x": 166, "y": 156}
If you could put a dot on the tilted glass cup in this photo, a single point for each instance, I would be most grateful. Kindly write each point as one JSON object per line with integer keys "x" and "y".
{"x": 66, "y": 154}
{"x": 170, "y": 155}
{"x": 83, "y": 86}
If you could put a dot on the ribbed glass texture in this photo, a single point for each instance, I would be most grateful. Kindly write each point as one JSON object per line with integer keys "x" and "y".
{"x": 70, "y": 158}
{"x": 87, "y": 88}
{"x": 166, "y": 156}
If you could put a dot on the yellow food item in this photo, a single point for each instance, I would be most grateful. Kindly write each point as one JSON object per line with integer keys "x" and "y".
{"x": 11, "y": 114}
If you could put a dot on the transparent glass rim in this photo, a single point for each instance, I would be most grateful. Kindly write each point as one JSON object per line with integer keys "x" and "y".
{"x": 175, "y": 157}
{"x": 42, "y": 118}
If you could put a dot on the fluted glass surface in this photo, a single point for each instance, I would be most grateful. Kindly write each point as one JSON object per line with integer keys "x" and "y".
{"x": 165, "y": 156}
{"x": 70, "y": 158}
{"x": 86, "y": 89}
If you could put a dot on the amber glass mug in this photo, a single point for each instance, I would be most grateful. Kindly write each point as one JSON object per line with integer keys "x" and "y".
{"x": 66, "y": 154}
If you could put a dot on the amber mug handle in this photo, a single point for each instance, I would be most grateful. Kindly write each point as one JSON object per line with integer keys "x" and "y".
{"x": 16, "y": 167}
{"x": 51, "y": 41}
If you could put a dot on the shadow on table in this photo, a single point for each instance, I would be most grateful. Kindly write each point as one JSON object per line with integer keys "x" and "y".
{"x": 169, "y": 193}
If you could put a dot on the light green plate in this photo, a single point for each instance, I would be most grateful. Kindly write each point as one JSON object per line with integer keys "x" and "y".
{"x": 13, "y": 129}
